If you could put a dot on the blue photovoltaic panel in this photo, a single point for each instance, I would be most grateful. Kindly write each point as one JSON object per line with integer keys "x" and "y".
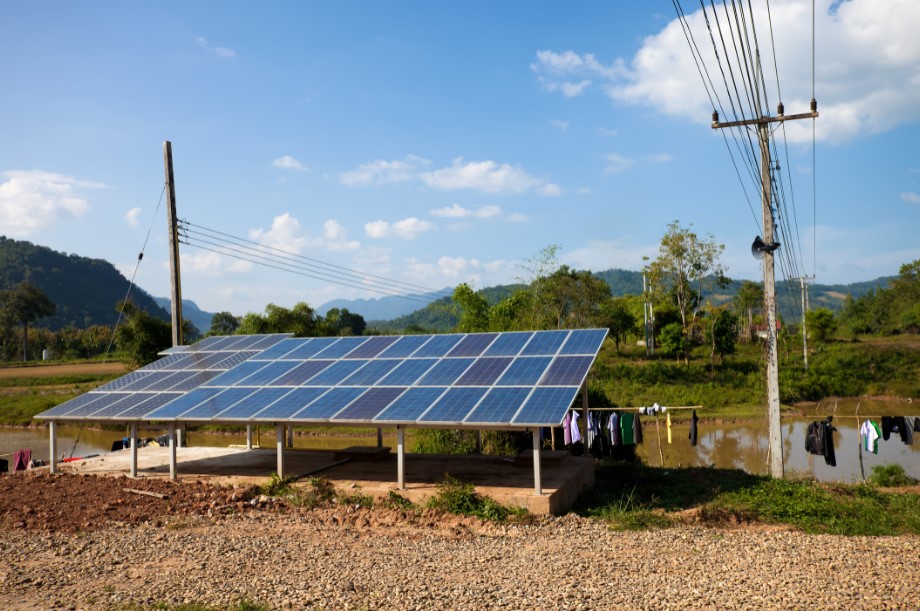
{"x": 234, "y": 359}
{"x": 104, "y": 400}
{"x": 267, "y": 374}
{"x": 405, "y": 346}
{"x": 172, "y": 381}
{"x": 208, "y": 360}
{"x": 369, "y": 404}
{"x": 546, "y": 406}
{"x": 408, "y": 372}
{"x": 329, "y": 404}
{"x": 124, "y": 381}
{"x": 198, "y": 378}
{"x": 371, "y": 373}
{"x": 300, "y": 373}
{"x": 437, "y": 346}
{"x": 584, "y": 341}
{"x": 163, "y": 363}
{"x": 546, "y": 343}
{"x": 310, "y": 347}
{"x": 207, "y": 343}
{"x": 410, "y": 405}
{"x": 445, "y": 372}
{"x": 498, "y": 406}
{"x": 335, "y": 373}
{"x": 484, "y": 372}
{"x": 212, "y": 406}
{"x": 248, "y": 406}
{"x": 266, "y": 342}
{"x": 82, "y": 406}
{"x": 243, "y": 342}
{"x": 182, "y": 404}
{"x": 525, "y": 371}
{"x": 140, "y": 383}
{"x": 136, "y": 410}
{"x": 223, "y": 342}
{"x": 473, "y": 345}
{"x": 232, "y": 376}
{"x": 280, "y": 349}
{"x": 107, "y": 410}
{"x": 289, "y": 404}
{"x": 340, "y": 348}
{"x": 454, "y": 406}
{"x": 371, "y": 348}
{"x": 508, "y": 344}
{"x": 567, "y": 371}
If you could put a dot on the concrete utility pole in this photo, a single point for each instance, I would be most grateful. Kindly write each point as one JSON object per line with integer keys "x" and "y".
{"x": 175, "y": 281}
{"x": 769, "y": 279}
{"x": 803, "y": 280}
{"x": 649, "y": 315}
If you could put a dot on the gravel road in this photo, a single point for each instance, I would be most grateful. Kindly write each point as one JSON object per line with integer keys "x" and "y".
{"x": 342, "y": 558}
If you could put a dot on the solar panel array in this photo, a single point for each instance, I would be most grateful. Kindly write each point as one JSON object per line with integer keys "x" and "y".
{"x": 514, "y": 379}
{"x": 182, "y": 370}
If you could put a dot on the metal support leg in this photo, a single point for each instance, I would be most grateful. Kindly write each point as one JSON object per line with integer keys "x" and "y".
{"x": 180, "y": 436}
{"x": 133, "y": 436}
{"x": 401, "y": 458}
{"x": 379, "y": 437}
{"x": 248, "y": 436}
{"x": 537, "y": 477}
{"x": 290, "y": 436}
{"x": 52, "y": 431}
{"x": 171, "y": 433}
{"x": 279, "y": 444}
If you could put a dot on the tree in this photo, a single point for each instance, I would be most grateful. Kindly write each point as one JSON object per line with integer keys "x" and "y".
{"x": 675, "y": 341}
{"x": 821, "y": 324}
{"x": 141, "y": 335}
{"x": 616, "y": 316}
{"x": 472, "y": 310}
{"x": 25, "y": 303}
{"x": 747, "y": 301}
{"x": 301, "y": 320}
{"x": 568, "y": 299}
{"x": 343, "y": 322}
{"x": 686, "y": 267}
{"x": 224, "y": 323}
{"x": 720, "y": 334}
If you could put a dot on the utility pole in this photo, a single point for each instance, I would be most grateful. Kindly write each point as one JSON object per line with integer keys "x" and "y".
{"x": 769, "y": 278}
{"x": 649, "y": 318}
{"x": 803, "y": 280}
{"x": 175, "y": 281}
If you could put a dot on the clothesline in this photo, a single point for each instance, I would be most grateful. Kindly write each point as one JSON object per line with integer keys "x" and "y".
{"x": 635, "y": 409}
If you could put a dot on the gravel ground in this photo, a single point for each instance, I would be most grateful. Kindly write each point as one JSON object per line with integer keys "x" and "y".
{"x": 381, "y": 559}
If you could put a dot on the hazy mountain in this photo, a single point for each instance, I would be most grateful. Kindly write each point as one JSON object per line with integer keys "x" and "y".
{"x": 190, "y": 311}
{"x": 383, "y": 308}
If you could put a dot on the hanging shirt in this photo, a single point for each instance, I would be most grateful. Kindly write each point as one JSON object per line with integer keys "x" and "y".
{"x": 693, "y": 431}
{"x": 869, "y": 434}
{"x": 667, "y": 423}
{"x": 613, "y": 425}
{"x": 626, "y": 429}
{"x": 566, "y": 429}
{"x": 576, "y": 434}
{"x": 637, "y": 429}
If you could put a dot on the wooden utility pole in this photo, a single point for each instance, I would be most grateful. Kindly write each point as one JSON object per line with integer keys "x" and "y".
{"x": 175, "y": 276}
{"x": 803, "y": 280}
{"x": 769, "y": 278}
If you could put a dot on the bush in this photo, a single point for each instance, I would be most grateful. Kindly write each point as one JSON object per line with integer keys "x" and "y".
{"x": 461, "y": 498}
{"x": 889, "y": 476}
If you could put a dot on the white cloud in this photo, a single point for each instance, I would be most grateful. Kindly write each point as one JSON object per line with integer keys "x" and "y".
{"x": 549, "y": 190}
{"x": 517, "y": 217}
{"x": 559, "y": 124}
{"x": 379, "y": 172}
{"x": 220, "y": 52}
{"x": 131, "y": 216}
{"x": 32, "y": 200}
{"x": 660, "y": 158}
{"x": 606, "y": 254}
{"x": 212, "y": 264}
{"x": 289, "y": 163}
{"x": 456, "y": 266}
{"x": 407, "y": 229}
{"x": 604, "y": 131}
{"x": 583, "y": 190}
{"x": 335, "y": 238}
{"x": 485, "y": 176}
{"x": 911, "y": 198}
{"x": 617, "y": 163}
{"x": 285, "y": 234}
{"x": 867, "y": 76}
{"x": 458, "y": 212}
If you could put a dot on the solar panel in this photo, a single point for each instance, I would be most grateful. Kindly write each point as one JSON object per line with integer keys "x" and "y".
{"x": 516, "y": 379}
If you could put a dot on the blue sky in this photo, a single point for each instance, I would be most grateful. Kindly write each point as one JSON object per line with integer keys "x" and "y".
{"x": 436, "y": 143}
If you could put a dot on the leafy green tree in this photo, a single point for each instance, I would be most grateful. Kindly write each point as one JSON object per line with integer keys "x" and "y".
{"x": 821, "y": 324}
{"x": 343, "y": 322}
{"x": 25, "y": 304}
{"x": 720, "y": 333}
{"x": 747, "y": 301}
{"x": 687, "y": 266}
{"x": 301, "y": 320}
{"x": 472, "y": 310}
{"x": 569, "y": 299}
{"x": 142, "y": 336}
{"x": 616, "y": 316}
{"x": 224, "y": 323}
{"x": 674, "y": 340}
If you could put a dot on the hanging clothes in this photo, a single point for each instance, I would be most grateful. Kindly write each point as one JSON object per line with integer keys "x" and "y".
{"x": 667, "y": 423}
{"x": 613, "y": 427}
{"x": 576, "y": 433}
{"x": 637, "y": 429}
{"x": 869, "y": 434}
{"x": 21, "y": 460}
{"x": 627, "y": 429}
{"x": 693, "y": 432}
{"x": 819, "y": 439}
{"x": 566, "y": 429}
{"x": 917, "y": 425}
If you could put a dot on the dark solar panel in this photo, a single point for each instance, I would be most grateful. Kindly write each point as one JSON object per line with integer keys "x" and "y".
{"x": 371, "y": 348}
{"x": 141, "y": 406}
{"x": 84, "y": 404}
{"x": 498, "y": 406}
{"x": 567, "y": 371}
{"x": 473, "y": 345}
{"x": 157, "y": 378}
{"x": 546, "y": 343}
{"x": 280, "y": 349}
{"x": 181, "y": 404}
{"x": 329, "y": 404}
{"x": 546, "y": 406}
{"x": 232, "y": 376}
{"x": 405, "y": 346}
{"x": 369, "y": 404}
{"x": 310, "y": 347}
{"x": 408, "y": 372}
{"x": 525, "y": 371}
{"x": 335, "y": 373}
{"x": 584, "y": 341}
{"x": 289, "y": 404}
{"x": 437, "y": 346}
{"x": 340, "y": 348}
{"x": 508, "y": 344}
{"x": 371, "y": 373}
{"x": 195, "y": 380}
{"x": 250, "y": 404}
{"x": 410, "y": 405}
{"x": 212, "y": 406}
{"x": 484, "y": 372}
{"x": 454, "y": 406}
{"x": 300, "y": 373}
{"x": 445, "y": 372}
{"x": 267, "y": 374}
{"x": 124, "y": 381}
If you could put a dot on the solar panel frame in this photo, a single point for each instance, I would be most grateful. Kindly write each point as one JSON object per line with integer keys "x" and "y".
{"x": 409, "y": 406}
{"x": 369, "y": 404}
{"x": 245, "y": 408}
{"x": 454, "y": 405}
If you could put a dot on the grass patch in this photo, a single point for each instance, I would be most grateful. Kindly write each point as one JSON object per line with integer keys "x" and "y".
{"x": 461, "y": 498}
{"x": 630, "y": 496}
{"x": 395, "y": 500}
{"x": 889, "y": 476}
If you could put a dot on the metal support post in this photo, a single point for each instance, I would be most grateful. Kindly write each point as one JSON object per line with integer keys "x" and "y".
{"x": 537, "y": 476}
{"x": 248, "y": 436}
{"x": 171, "y": 434}
{"x": 52, "y": 431}
{"x": 401, "y": 458}
{"x": 133, "y": 436}
{"x": 279, "y": 444}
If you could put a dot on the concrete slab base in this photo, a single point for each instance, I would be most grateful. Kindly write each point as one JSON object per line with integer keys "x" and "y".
{"x": 505, "y": 480}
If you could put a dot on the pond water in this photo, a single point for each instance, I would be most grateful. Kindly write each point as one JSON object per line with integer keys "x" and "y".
{"x": 740, "y": 445}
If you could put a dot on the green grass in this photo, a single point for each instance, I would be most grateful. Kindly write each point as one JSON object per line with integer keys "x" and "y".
{"x": 888, "y": 476}
{"x": 461, "y": 498}
{"x": 629, "y": 496}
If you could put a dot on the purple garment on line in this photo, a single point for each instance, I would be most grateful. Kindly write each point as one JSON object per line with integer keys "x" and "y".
{"x": 21, "y": 460}
{"x": 566, "y": 429}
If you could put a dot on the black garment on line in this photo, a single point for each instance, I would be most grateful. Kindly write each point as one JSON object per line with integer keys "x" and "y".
{"x": 693, "y": 431}
{"x": 819, "y": 439}
{"x": 899, "y": 425}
